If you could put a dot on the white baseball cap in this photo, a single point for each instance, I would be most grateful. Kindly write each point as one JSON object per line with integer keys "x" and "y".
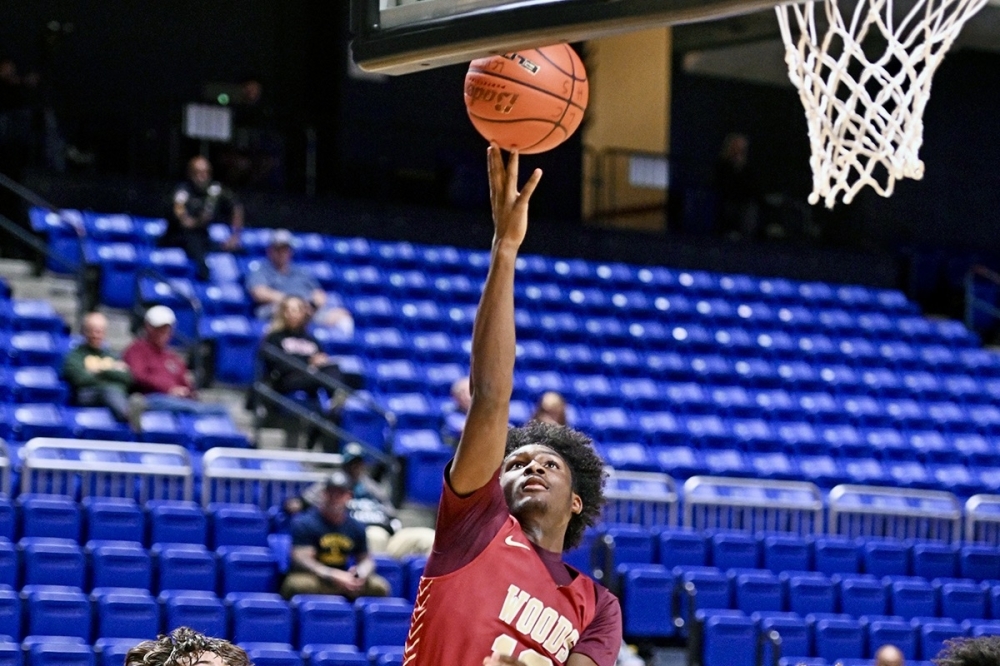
{"x": 160, "y": 315}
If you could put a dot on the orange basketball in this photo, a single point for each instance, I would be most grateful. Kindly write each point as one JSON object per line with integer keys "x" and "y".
{"x": 531, "y": 100}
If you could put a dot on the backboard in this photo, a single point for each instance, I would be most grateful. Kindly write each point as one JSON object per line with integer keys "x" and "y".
{"x": 402, "y": 36}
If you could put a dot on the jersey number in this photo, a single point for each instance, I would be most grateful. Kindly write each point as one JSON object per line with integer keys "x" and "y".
{"x": 506, "y": 645}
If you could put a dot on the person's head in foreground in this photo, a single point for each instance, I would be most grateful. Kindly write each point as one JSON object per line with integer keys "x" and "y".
{"x": 982, "y": 651}
{"x": 889, "y": 655}
{"x": 186, "y": 647}
{"x": 551, "y": 476}
{"x": 94, "y": 329}
{"x": 160, "y": 321}
{"x": 281, "y": 249}
{"x": 200, "y": 172}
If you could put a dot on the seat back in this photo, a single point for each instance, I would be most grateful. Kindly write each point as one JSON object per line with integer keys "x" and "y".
{"x": 115, "y": 518}
{"x": 126, "y": 613}
{"x": 185, "y": 567}
{"x": 52, "y": 516}
{"x": 58, "y": 612}
{"x": 259, "y": 617}
{"x": 384, "y": 624}
{"x": 238, "y": 525}
{"x": 202, "y": 611}
{"x": 119, "y": 564}
{"x": 247, "y": 569}
{"x": 176, "y": 522}
{"x": 52, "y": 562}
{"x": 324, "y": 619}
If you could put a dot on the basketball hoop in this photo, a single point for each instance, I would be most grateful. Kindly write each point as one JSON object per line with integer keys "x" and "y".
{"x": 865, "y": 105}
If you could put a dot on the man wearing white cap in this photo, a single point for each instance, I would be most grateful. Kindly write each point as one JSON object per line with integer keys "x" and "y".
{"x": 278, "y": 277}
{"x": 159, "y": 372}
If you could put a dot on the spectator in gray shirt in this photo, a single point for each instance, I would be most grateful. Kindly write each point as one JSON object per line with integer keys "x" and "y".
{"x": 278, "y": 277}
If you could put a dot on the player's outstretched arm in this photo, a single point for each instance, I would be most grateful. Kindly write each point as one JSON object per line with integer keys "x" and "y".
{"x": 480, "y": 451}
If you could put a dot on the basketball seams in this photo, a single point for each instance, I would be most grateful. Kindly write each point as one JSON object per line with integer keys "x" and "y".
{"x": 526, "y": 85}
{"x": 572, "y": 89}
{"x": 571, "y": 74}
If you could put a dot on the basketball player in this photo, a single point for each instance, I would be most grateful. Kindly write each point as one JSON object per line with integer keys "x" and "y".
{"x": 495, "y": 590}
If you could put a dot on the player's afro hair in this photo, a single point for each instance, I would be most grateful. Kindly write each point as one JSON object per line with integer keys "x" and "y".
{"x": 982, "y": 651}
{"x": 586, "y": 469}
{"x": 184, "y": 647}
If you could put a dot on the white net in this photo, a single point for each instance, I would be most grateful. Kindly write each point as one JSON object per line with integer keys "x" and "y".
{"x": 864, "y": 77}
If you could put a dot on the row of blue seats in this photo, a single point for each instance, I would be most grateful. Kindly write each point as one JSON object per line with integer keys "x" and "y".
{"x": 777, "y": 553}
{"x": 122, "y": 519}
{"x": 310, "y": 621}
{"x": 61, "y": 562}
{"x": 819, "y": 639}
{"x": 64, "y": 651}
{"x": 30, "y": 315}
{"x": 22, "y": 422}
{"x": 105, "y": 228}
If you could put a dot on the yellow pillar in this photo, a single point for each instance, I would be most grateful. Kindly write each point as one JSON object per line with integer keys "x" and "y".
{"x": 628, "y": 118}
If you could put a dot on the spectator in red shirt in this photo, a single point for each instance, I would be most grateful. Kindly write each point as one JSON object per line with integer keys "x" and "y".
{"x": 159, "y": 372}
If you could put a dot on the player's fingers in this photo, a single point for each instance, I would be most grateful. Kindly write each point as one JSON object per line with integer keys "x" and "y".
{"x": 494, "y": 164}
{"x": 512, "y": 169}
{"x": 530, "y": 186}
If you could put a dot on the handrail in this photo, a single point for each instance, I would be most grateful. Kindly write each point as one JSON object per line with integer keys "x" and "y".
{"x": 972, "y": 302}
{"x": 273, "y": 353}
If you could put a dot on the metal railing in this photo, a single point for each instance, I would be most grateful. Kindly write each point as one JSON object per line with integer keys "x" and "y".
{"x": 752, "y": 505}
{"x": 898, "y": 513}
{"x": 982, "y": 519}
{"x": 5, "y": 469}
{"x": 95, "y": 468}
{"x": 265, "y": 478}
{"x": 640, "y": 498}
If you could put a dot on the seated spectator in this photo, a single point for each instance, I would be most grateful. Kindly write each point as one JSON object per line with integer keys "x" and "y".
{"x": 373, "y": 507}
{"x": 288, "y": 333}
{"x": 96, "y": 377}
{"x": 198, "y": 202}
{"x": 551, "y": 408}
{"x": 330, "y": 550}
{"x": 159, "y": 372}
{"x": 453, "y": 419}
{"x": 186, "y": 647}
{"x": 278, "y": 277}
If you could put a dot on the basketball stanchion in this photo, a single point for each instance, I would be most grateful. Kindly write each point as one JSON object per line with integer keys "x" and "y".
{"x": 863, "y": 69}
{"x": 531, "y": 100}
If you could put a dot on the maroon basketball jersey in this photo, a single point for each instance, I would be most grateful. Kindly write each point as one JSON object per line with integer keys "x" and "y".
{"x": 502, "y": 601}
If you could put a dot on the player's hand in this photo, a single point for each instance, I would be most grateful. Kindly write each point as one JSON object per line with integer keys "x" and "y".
{"x": 510, "y": 207}
{"x": 497, "y": 659}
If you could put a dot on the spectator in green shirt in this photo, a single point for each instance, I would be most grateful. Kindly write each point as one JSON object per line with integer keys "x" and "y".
{"x": 96, "y": 376}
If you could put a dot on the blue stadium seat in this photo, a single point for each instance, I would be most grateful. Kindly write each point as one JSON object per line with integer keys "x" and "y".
{"x": 414, "y": 569}
{"x": 234, "y": 339}
{"x": 114, "y": 519}
{"x": 932, "y": 636}
{"x": 163, "y": 428}
{"x": 112, "y": 651}
{"x": 721, "y": 633}
{"x": 754, "y": 434}
{"x": 933, "y": 559}
{"x": 237, "y": 525}
{"x": 24, "y": 422}
{"x": 824, "y": 471}
{"x": 120, "y": 564}
{"x": 384, "y": 623}
{"x": 126, "y": 613}
{"x": 792, "y": 631}
{"x": 96, "y": 423}
{"x": 31, "y": 315}
{"x": 629, "y": 457}
{"x": 632, "y": 544}
{"x": 33, "y": 348}
{"x": 259, "y": 617}
{"x": 386, "y": 655}
{"x": 680, "y": 461}
{"x": 774, "y": 465}
{"x": 808, "y": 592}
{"x": 392, "y": 570}
{"x": 53, "y": 516}
{"x": 212, "y": 430}
{"x": 733, "y": 550}
{"x": 836, "y": 638}
{"x": 49, "y": 561}
{"x": 892, "y": 631}
{"x": 323, "y": 619}
{"x": 57, "y": 611}
{"x": 247, "y": 569}
{"x": 976, "y": 628}
{"x": 710, "y": 587}
{"x": 59, "y": 652}
{"x": 184, "y": 566}
{"x": 979, "y": 562}
{"x": 866, "y": 472}
{"x": 7, "y": 519}
{"x": 911, "y": 597}
{"x": 975, "y": 449}
{"x": 861, "y": 594}
{"x": 660, "y": 428}
{"x": 758, "y": 591}
{"x": 10, "y": 615}
{"x": 682, "y": 548}
{"x": 272, "y": 654}
{"x": 962, "y": 600}
{"x": 426, "y": 457}
{"x": 200, "y": 610}
{"x": 884, "y": 557}
{"x": 707, "y": 431}
{"x": 784, "y": 552}
{"x": 727, "y": 463}
{"x": 176, "y": 522}
{"x": 337, "y": 655}
{"x": 435, "y": 347}
{"x": 647, "y": 590}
